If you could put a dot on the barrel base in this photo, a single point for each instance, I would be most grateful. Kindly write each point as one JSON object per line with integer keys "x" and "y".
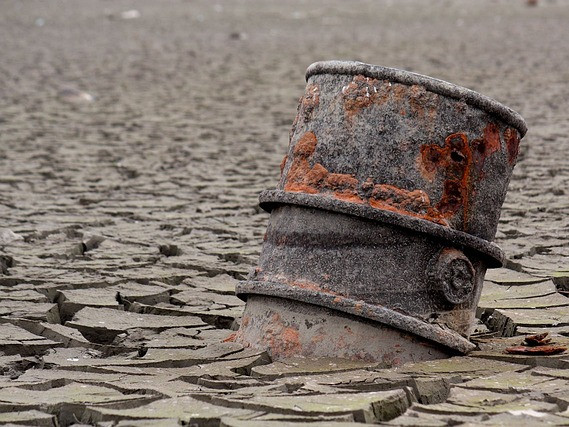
{"x": 286, "y": 328}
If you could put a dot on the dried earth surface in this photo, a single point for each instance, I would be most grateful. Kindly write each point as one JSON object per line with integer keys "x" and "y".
{"x": 134, "y": 140}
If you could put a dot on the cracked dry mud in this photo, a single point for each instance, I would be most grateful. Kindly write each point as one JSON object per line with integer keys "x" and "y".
{"x": 133, "y": 145}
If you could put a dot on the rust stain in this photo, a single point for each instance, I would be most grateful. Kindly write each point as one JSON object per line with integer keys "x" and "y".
{"x": 299, "y": 283}
{"x": 541, "y": 350}
{"x": 491, "y": 139}
{"x": 301, "y": 176}
{"x": 359, "y": 94}
{"x": 231, "y": 337}
{"x": 291, "y": 337}
{"x": 454, "y": 161}
{"x": 316, "y": 175}
{"x": 414, "y": 201}
{"x": 341, "y": 181}
{"x": 399, "y": 92}
{"x": 312, "y": 286}
{"x": 537, "y": 345}
{"x": 535, "y": 340}
{"x": 484, "y": 147}
{"x": 306, "y": 145}
{"x": 348, "y": 196}
{"x": 512, "y": 138}
{"x": 309, "y": 177}
{"x": 282, "y": 339}
{"x": 423, "y": 104}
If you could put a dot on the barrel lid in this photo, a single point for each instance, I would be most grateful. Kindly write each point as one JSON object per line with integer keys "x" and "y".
{"x": 440, "y": 87}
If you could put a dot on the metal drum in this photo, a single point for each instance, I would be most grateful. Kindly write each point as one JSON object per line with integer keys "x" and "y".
{"x": 381, "y": 225}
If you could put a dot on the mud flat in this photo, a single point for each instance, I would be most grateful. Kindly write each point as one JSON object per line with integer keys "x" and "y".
{"x": 134, "y": 140}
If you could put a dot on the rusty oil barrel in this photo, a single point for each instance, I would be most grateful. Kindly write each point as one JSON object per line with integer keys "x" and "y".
{"x": 382, "y": 223}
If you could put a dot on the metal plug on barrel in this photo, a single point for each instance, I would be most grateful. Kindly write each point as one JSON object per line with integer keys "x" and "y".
{"x": 382, "y": 223}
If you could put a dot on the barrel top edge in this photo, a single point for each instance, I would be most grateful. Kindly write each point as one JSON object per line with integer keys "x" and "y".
{"x": 432, "y": 84}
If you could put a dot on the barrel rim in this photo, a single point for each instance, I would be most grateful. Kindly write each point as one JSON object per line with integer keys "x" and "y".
{"x": 491, "y": 252}
{"x": 432, "y": 84}
{"x": 413, "y": 325}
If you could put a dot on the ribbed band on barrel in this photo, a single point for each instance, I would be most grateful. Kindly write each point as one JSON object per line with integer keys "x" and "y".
{"x": 433, "y": 332}
{"x": 490, "y": 252}
{"x": 440, "y": 87}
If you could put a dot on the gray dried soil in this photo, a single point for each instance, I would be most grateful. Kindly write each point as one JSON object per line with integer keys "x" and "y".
{"x": 132, "y": 152}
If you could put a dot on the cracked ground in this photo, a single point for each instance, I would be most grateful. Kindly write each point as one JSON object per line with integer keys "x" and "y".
{"x": 134, "y": 140}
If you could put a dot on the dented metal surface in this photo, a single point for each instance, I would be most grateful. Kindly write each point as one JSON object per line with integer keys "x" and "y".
{"x": 290, "y": 328}
{"x": 388, "y": 201}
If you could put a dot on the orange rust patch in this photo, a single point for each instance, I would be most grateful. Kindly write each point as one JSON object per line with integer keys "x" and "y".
{"x": 300, "y": 283}
{"x": 456, "y": 188}
{"x": 304, "y": 178}
{"x": 454, "y": 161}
{"x": 491, "y": 139}
{"x": 231, "y": 337}
{"x": 348, "y": 196}
{"x": 413, "y": 201}
{"x": 340, "y": 181}
{"x": 452, "y": 199}
{"x": 367, "y": 185}
{"x": 311, "y": 286}
{"x": 399, "y": 92}
{"x": 301, "y": 176}
{"x": 306, "y": 145}
{"x": 316, "y": 175}
{"x": 316, "y": 179}
{"x": 341, "y": 343}
{"x": 512, "y": 138}
{"x": 542, "y": 350}
{"x": 359, "y": 94}
{"x": 484, "y": 147}
{"x": 423, "y": 104}
{"x": 282, "y": 338}
{"x": 431, "y": 158}
{"x": 298, "y": 169}
{"x": 290, "y": 335}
